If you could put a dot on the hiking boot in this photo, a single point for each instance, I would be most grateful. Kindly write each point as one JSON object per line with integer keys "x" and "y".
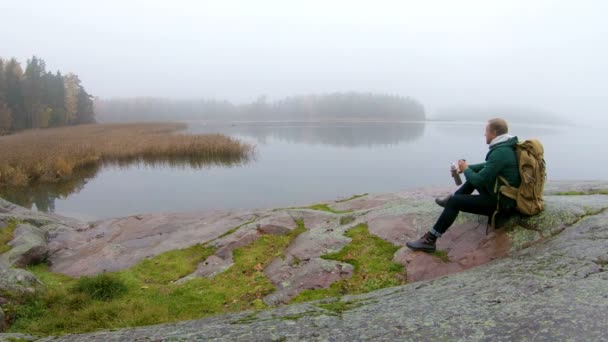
{"x": 425, "y": 243}
{"x": 443, "y": 201}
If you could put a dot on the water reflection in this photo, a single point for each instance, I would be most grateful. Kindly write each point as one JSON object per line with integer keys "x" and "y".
{"x": 194, "y": 162}
{"x": 351, "y": 134}
{"x": 44, "y": 195}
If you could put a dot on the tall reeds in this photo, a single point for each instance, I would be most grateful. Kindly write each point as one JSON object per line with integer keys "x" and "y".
{"x": 52, "y": 155}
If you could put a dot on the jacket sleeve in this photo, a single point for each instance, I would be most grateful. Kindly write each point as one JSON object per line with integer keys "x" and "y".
{"x": 477, "y": 167}
{"x": 488, "y": 173}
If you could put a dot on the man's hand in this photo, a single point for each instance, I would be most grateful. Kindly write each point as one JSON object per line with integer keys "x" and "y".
{"x": 462, "y": 165}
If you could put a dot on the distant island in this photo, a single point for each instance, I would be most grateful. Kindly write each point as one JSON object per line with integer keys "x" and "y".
{"x": 335, "y": 106}
{"x": 348, "y": 106}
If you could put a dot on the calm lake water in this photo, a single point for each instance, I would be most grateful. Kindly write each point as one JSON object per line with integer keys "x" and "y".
{"x": 301, "y": 163}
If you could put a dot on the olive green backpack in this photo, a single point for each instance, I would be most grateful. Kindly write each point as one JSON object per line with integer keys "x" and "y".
{"x": 531, "y": 163}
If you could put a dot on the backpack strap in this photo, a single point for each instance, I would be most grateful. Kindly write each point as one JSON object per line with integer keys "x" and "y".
{"x": 492, "y": 219}
{"x": 504, "y": 180}
{"x": 507, "y": 189}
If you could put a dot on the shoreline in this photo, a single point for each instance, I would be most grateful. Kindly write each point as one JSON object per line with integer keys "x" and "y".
{"x": 289, "y": 255}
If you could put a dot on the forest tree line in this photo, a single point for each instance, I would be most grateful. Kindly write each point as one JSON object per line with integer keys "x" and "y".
{"x": 336, "y": 106}
{"x": 37, "y": 98}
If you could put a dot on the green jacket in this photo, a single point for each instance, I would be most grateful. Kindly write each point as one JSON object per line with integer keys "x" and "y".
{"x": 501, "y": 160}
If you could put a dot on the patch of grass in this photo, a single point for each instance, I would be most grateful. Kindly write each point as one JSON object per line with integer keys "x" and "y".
{"x": 373, "y": 266}
{"x": 325, "y": 207}
{"x": 232, "y": 230}
{"x": 443, "y": 255}
{"x": 53, "y": 155}
{"x": 296, "y": 317}
{"x": 150, "y": 297}
{"x": 338, "y": 307}
{"x": 581, "y": 193}
{"x": 6, "y": 235}
{"x": 351, "y": 198}
{"x": 170, "y": 266}
{"x": 318, "y": 206}
{"x": 346, "y": 220}
{"x": 101, "y": 287}
{"x": 253, "y": 317}
{"x": 296, "y": 261}
{"x": 300, "y": 223}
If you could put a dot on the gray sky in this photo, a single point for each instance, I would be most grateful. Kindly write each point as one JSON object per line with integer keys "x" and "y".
{"x": 550, "y": 55}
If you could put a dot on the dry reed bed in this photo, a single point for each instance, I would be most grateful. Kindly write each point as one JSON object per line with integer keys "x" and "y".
{"x": 52, "y": 155}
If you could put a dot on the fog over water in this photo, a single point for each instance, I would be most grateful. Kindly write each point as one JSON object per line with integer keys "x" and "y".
{"x": 545, "y": 56}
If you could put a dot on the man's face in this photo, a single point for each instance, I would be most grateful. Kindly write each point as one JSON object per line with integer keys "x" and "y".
{"x": 490, "y": 135}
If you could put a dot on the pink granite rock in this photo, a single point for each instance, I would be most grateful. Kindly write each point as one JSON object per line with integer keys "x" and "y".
{"x": 115, "y": 244}
{"x": 466, "y": 246}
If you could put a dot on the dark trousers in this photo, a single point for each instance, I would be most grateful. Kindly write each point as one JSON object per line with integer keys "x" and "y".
{"x": 463, "y": 200}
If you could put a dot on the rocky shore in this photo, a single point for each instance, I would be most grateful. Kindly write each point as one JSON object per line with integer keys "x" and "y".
{"x": 537, "y": 278}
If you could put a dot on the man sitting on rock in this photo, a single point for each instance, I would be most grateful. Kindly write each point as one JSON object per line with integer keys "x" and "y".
{"x": 501, "y": 160}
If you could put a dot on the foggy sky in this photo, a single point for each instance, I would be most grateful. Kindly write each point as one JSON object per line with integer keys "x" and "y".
{"x": 549, "y": 55}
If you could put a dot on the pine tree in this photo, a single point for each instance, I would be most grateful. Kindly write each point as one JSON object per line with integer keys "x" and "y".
{"x": 33, "y": 91}
{"x": 86, "y": 112}
{"x": 54, "y": 99}
{"x": 6, "y": 117}
{"x": 13, "y": 75}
